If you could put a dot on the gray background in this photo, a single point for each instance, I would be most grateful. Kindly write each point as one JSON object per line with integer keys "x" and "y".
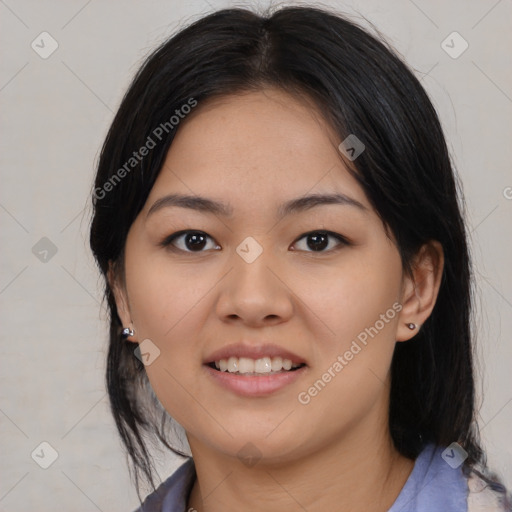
{"x": 55, "y": 113}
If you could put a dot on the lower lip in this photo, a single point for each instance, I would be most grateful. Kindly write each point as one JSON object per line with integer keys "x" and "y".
{"x": 253, "y": 386}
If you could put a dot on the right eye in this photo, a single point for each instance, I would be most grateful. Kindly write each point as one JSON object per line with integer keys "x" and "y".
{"x": 187, "y": 241}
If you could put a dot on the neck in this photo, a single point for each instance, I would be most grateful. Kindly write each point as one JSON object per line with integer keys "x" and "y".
{"x": 358, "y": 472}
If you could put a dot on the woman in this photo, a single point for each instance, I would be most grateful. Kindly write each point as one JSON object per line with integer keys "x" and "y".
{"x": 288, "y": 277}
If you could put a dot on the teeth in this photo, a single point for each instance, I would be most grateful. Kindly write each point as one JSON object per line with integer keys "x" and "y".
{"x": 245, "y": 365}
{"x": 232, "y": 365}
{"x": 277, "y": 364}
{"x": 263, "y": 365}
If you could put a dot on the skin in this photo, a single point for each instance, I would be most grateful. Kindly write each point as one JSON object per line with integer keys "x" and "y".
{"x": 254, "y": 152}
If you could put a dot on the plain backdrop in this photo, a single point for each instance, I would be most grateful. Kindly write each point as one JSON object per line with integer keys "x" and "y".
{"x": 55, "y": 114}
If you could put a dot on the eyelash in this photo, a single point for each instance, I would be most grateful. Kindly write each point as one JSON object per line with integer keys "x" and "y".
{"x": 168, "y": 241}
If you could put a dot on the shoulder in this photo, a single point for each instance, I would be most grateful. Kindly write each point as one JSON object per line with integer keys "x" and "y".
{"x": 439, "y": 482}
{"x": 433, "y": 484}
{"x": 172, "y": 494}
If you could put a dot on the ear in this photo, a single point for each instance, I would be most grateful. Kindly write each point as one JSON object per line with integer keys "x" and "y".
{"x": 419, "y": 291}
{"x": 120, "y": 295}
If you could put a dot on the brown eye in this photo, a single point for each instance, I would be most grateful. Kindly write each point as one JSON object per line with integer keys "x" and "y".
{"x": 318, "y": 241}
{"x": 189, "y": 241}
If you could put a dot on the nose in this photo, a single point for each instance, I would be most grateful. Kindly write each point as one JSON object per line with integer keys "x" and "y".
{"x": 255, "y": 294}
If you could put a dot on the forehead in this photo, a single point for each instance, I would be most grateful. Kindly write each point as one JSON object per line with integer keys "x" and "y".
{"x": 257, "y": 146}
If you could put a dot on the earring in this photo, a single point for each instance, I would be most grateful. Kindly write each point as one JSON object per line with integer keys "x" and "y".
{"x": 411, "y": 326}
{"x": 127, "y": 331}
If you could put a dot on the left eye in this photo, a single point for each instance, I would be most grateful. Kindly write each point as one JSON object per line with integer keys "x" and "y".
{"x": 317, "y": 241}
{"x": 196, "y": 241}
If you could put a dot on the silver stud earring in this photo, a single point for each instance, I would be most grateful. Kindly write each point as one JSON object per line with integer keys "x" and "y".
{"x": 127, "y": 332}
{"x": 411, "y": 326}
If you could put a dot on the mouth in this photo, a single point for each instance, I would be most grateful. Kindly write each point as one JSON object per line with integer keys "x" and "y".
{"x": 248, "y": 367}
{"x": 254, "y": 370}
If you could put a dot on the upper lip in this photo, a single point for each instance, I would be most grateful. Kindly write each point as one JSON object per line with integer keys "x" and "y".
{"x": 253, "y": 351}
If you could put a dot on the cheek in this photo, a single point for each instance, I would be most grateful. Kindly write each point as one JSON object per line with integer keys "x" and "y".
{"x": 169, "y": 309}
{"x": 165, "y": 296}
{"x": 349, "y": 379}
{"x": 355, "y": 295}
{"x": 362, "y": 311}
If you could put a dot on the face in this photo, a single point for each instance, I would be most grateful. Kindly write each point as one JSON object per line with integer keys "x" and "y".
{"x": 266, "y": 275}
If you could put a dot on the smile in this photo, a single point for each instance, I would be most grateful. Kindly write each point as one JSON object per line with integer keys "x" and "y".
{"x": 251, "y": 367}
{"x": 251, "y": 378}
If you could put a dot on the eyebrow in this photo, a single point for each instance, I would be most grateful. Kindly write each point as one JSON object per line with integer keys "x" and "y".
{"x": 300, "y": 204}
